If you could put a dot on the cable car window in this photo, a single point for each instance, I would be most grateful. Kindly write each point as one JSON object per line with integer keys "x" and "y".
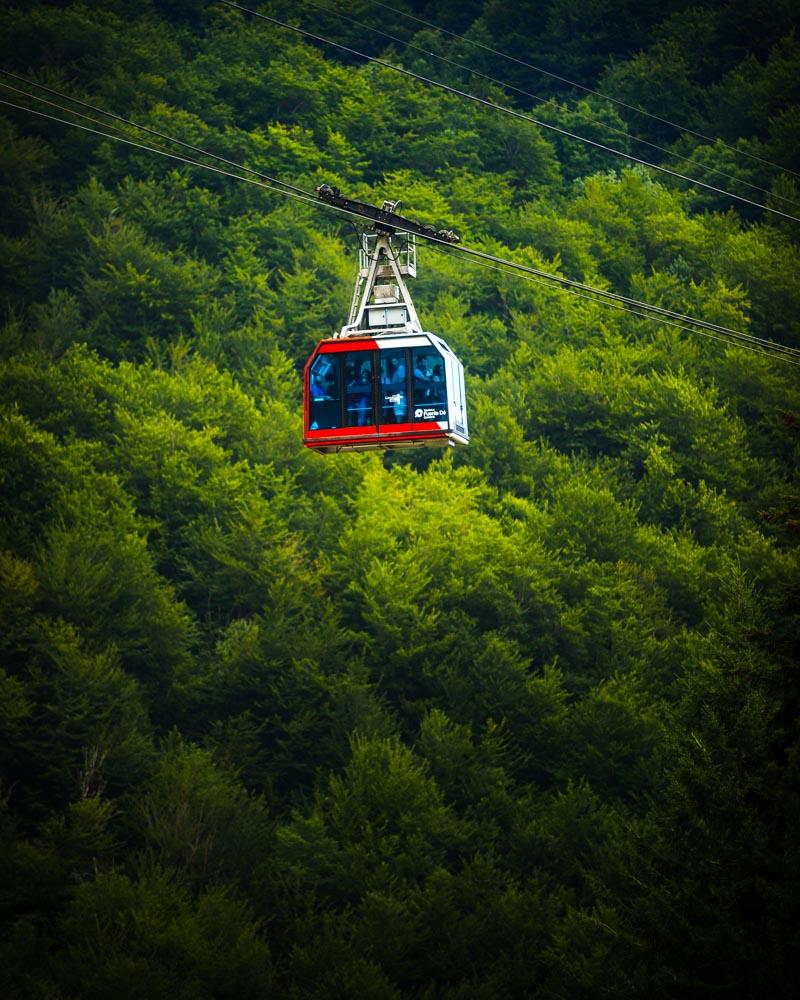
{"x": 324, "y": 394}
{"x": 358, "y": 398}
{"x": 394, "y": 386}
{"x": 460, "y": 413}
{"x": 430, "y": 385}
{"x": 438, "y": 387}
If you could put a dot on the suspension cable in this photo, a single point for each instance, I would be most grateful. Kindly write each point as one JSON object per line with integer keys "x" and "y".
{"x": 509, "y": 111}
{"x": 137, "y": 125}
{"x": 759, "y": 347}
{"x": 305, "y": 196}
{"x": 614, "y": 298}
{"x": 587, "y": 90}
{"x": 544, "y": 100}
{"x": 660, "y": 314}
{"x": 627, "y": 300}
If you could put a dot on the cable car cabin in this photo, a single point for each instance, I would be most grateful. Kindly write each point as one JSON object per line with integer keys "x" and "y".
{"x": 383, "y": 382}
{"x": 402, "y": 390}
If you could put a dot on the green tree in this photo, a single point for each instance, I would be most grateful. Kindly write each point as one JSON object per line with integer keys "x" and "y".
{"x": 150, "y": 938}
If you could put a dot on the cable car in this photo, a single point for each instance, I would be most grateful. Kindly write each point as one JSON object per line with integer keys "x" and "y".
{"x": 383, "y": 382}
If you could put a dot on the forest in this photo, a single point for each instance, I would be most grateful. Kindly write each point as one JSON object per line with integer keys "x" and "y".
{"x": 511, "y": 720}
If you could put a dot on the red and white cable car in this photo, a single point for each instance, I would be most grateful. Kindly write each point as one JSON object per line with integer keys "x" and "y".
{"x": 382, "y": 381}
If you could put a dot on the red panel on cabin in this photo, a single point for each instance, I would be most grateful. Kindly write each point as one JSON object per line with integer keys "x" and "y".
{"x": 338, "y": 346}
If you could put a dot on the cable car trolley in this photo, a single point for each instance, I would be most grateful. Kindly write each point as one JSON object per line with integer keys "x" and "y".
{"x": 382, "y": 381}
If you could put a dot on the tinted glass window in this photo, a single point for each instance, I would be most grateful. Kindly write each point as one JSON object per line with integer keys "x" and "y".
{"x": 394, "y": 386}
{"x": 460, "y": 411}
{"x": 358, "y": 388}
{"x": 430, "y": 386}
{"x": 324, "y": 394}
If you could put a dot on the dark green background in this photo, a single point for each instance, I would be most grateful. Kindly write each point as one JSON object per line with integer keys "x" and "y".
{"x": 514, "y": 721}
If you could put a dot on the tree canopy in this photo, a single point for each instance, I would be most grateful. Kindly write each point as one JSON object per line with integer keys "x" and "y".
{"x": 515, "y": 720}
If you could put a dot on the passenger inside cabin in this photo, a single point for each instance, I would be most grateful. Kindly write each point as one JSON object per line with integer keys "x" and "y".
{"x": 421, "y": 369}
{"x": 422, "y": 380}
{"x": 318, "y": 388}
{"x": 396, "y": 372}
{"x": 323, "y": 392}
{"x": 359, "y": 397}
{"x": 436, "y": 393}
{"x": 394, "y": 391}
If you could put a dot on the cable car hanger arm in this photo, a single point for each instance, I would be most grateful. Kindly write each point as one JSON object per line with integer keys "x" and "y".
{"x": 383, "y": 219}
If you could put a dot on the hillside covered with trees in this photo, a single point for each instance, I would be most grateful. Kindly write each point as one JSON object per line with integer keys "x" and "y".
{"x": 515, "y": 720}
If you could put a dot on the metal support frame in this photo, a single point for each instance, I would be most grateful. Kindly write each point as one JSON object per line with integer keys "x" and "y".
{"x": 404, "y": 246}
{"x": 380, "y": 256}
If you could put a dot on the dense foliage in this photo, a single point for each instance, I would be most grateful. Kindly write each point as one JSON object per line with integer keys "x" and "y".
{"x": 515, "y": 721}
